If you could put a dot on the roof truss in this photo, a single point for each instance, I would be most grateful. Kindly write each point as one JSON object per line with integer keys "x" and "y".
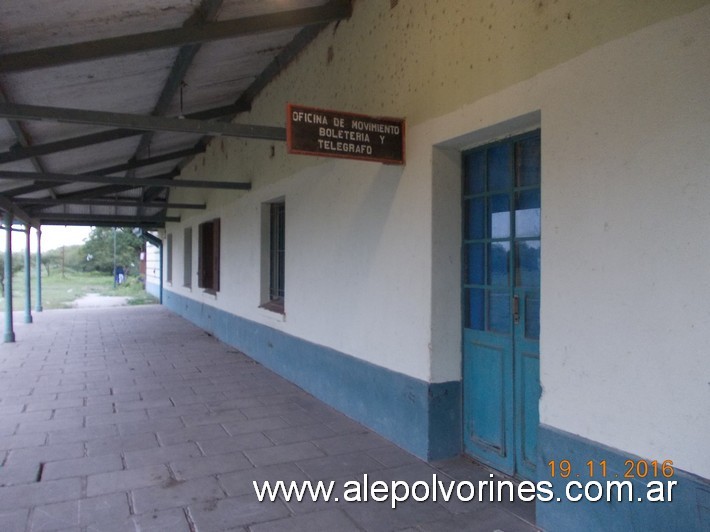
{"x": 106, "y": 220}
{"x": 199, "y": 28}
{"x": 148, "y": 161}
{"x": 25, "y": 151}
{"x": 18, "y": 212}
{"x": 122, "y": 202}
{"x": 207, "y": 11}
{"x": 54, "y": 177}
{"x": 211, "y": 31}
{"x": 140, "y": 122}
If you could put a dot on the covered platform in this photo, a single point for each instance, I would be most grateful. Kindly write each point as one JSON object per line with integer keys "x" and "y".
{"x": 108, "y": 424}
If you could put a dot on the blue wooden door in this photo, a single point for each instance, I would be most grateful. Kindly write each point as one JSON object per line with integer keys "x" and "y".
{"x": 501, "y": 303}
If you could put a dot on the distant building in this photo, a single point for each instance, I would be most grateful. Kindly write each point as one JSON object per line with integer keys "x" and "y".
{"x": 152, "y": 270}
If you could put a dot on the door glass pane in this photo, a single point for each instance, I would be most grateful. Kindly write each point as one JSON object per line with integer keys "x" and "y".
{"x": 532, "y": 317}
{"x": 474, "y": 173}
{"x": 499, "y": 311}
{"x": 499, "y": 216}
{"x": 527, "y": 213}
{"x": 499, "y": 263}
{"x": 473, "y": 308}
{"x": 474, "y": 263}
{"x": 527, "y": 263}
{"x": 475, "y": 215}
{"x": 500, "y": 167}
{"x": 527, "y": 162}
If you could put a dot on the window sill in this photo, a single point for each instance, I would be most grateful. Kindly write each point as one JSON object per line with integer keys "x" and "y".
{"x": 275, "y": 305}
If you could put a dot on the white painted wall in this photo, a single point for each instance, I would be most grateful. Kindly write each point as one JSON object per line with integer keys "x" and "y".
{"x": 356, "y": 246}
{"x": 373, "y": 264}
{"x": 626, "y": 197}
{"x": 625, "y": 346}
{"x": 152, "y": 269}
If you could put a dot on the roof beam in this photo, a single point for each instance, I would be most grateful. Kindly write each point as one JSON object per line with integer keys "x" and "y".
{"x": 133, "y": 164}
{"x": 207, "y": 11}
{"x": 94, "y": 192}
{"x": 18, "y": 212}
{"x": 302, "y": 39}
{"x": 213, "y": 31}
{"x": 124, "y": 202}
{"x": 27, "y": 189}
{"x": 25, "y": 152}
{"x": 43, "y": 185}
{"x": 152, "y": 239}
{"x": 145, "y": 123}
{"x": 22, "y": 138}
{"x": 111, "y": 180}
{"x": 103, "y": 191}
{"x": 105, "y": 220}
{"x": 106, "y": 190}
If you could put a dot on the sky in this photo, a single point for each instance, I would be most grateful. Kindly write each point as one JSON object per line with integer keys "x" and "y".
{"x": 53, "y": 236}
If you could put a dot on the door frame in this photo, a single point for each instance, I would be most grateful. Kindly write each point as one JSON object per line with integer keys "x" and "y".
{"x": 512, "y": 459}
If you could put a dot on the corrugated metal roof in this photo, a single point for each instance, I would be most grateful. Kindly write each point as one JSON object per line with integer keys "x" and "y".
{"x": 222, "y": 71}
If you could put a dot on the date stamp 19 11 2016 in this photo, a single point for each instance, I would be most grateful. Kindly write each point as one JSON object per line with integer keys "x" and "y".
{"x": 639, "y": 469}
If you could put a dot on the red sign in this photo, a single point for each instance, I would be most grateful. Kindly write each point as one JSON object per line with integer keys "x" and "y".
{"x": 311, "y": 131}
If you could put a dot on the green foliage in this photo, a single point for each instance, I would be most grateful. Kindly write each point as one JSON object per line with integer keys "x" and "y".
{"x": 63, "y": 259}
{"x": 18, "y": 261}
{"x": 60, "y": 291}
{"x": 99, "y": 247}
{"x": 18, "y": 264}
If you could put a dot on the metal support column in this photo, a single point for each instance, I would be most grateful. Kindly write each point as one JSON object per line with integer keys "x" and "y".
{"x": 28, "y": 295}
{"x": 161, "y": 273}
{"x": 9, "y": 332}
{"x": 114, "y": 258}
{"x": 38, "y": 307}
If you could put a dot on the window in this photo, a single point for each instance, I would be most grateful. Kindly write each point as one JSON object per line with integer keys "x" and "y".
{"x": 187, "y": 257}
{"x": 276, "y": 256}
{"x": 208, "y": 268}
{"x": 169, "y": 253}
{"x": 278, "y": 251}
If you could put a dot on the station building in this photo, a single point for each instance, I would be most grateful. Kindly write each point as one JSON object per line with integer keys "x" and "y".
{"x": 530, "y": 285}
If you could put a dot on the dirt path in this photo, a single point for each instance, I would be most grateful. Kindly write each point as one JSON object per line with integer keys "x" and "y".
{"x": 99, "y": 301}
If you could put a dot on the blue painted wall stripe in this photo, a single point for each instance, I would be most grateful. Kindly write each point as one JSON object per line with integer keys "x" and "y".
{"x": 423, "y": 418}
{"x": 688, "y": 511}
{"x": 153, "y": 289}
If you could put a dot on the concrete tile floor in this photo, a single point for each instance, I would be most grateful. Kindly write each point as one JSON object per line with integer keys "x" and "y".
{"x": 124, "y": 419}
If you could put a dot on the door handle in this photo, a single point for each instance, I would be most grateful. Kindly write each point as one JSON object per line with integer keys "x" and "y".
{"x": 516, "y": 310}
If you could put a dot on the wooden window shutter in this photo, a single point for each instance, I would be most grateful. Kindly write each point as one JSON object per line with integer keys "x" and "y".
{"x": 215, "y": 253}
{"x": 209, "y": 249}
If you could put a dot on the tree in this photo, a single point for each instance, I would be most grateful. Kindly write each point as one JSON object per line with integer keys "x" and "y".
{"x": 98, "y": 249}
{"x": 52, "y": 260}
{"x": 64, "y": 258}
{"x": 18, "y": 264}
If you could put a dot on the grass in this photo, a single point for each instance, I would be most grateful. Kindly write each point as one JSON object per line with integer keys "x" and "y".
{"x": 60, "y": 291}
